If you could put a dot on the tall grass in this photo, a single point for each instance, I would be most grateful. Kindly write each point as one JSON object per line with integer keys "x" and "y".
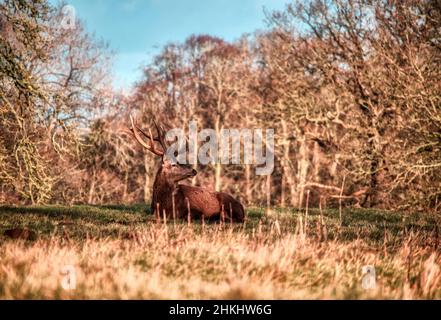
{"x": 266, "y": 258}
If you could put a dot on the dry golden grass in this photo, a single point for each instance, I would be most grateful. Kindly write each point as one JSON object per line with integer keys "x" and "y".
{"x": 269, "y": 258}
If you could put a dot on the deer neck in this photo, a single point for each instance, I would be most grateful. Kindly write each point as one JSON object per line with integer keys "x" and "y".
{"x": 163, "y": 190}
{"x": 162, "y": 185}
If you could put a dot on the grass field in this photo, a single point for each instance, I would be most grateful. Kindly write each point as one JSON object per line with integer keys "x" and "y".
{"x": 122, "y": 252}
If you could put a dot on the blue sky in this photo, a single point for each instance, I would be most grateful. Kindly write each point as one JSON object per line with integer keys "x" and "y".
{"x": 137, "y": 29}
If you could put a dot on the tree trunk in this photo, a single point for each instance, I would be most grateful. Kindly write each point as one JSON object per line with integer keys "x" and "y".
{"x": 316, "y": 162}
{"x": 302, "y": 169}
{"x": 218, "y": 166}
{"x": 91, "y": 189}
{"x": 288, "y": 175}
{"x": 268, "y": 190}
{"x": 126, "y": 183}
{"x": 147, "y": 186}
{"x": 248, "y": 183}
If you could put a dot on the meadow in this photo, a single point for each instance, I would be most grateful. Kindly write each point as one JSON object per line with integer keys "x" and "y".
{"x": 122, "y": 252}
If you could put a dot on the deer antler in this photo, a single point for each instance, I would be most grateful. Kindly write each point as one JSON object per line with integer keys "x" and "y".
{"x": 148, "y": 136}
{"x": 161, "y": 135}
{"x": 150, "y": 147}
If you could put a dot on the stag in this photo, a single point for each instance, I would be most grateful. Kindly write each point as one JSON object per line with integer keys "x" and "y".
{"x": 177, "y": 200}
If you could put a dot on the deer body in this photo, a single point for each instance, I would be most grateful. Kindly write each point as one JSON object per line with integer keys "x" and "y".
{"x": 200, "y": 203}
{"x": 179, "y": 200}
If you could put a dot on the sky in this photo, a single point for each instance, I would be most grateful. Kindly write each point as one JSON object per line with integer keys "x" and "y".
{"x": 137, "y": 29}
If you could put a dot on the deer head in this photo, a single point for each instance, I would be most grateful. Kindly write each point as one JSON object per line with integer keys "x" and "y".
{"x": 170, "y": 171}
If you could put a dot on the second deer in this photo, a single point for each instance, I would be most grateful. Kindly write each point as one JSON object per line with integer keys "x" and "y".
{"x": 179, "y": 200}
